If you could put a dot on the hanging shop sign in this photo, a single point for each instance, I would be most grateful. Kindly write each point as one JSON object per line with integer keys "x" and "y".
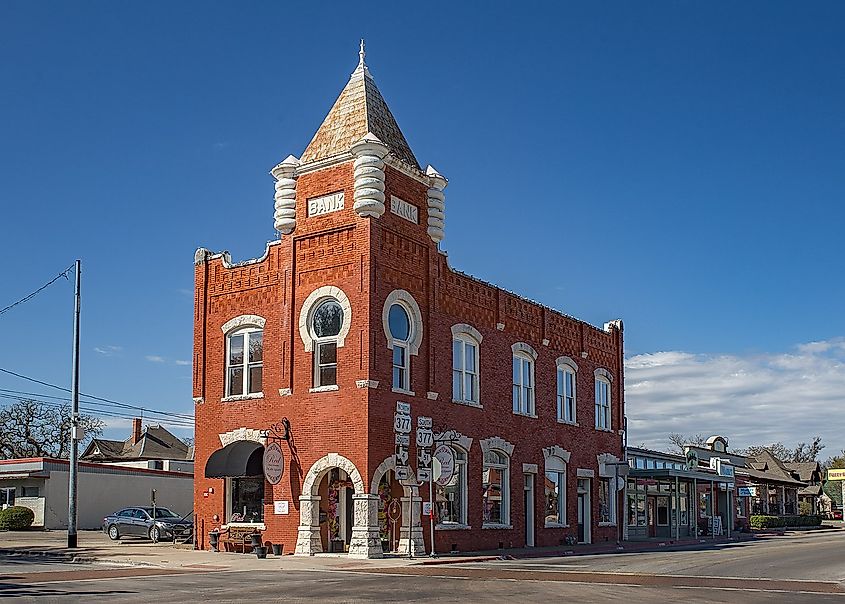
{"x": 274, "y": 463}
{"x": 747, "y": 492}
{"x": 692, "y": 460}
{"x": 443, "y": 465}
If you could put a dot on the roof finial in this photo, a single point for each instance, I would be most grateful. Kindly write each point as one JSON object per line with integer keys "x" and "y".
{"x": 361, "y": 54}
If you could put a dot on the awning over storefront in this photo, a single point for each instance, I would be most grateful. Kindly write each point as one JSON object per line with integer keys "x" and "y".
{"x": 666, "y": 473}
{"x": 237, "y": 459}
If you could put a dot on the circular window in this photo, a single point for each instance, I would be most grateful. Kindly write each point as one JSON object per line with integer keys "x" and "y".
{"x": 328, "y": 319}
{"x": 399, "y": 323}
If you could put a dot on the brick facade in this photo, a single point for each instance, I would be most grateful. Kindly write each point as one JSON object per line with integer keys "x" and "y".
{"x": 368, "y": 258}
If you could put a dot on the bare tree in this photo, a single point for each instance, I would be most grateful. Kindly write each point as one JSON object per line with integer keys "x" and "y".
{"x": 30, "y": 428}
{"x": 802, "y": 452}
{"x": 677, "y": 441}
{"x": 836, "y": 462}
{"x": 805, "y": 452}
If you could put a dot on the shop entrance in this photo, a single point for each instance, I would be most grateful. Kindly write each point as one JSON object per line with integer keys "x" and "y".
{"x": 584, "y": 511}
{"x": 336, "y": 490}
{"x": 390, "y": 493}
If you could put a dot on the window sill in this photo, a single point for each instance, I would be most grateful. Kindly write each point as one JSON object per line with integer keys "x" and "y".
{"x": 568, "y": 423}
{"x": 607, "y": 524}
{"x": 452, "y": 527}
{"x": 403, "y": 391}
{"x": 331, "y": 388}
{"x": 468, "y": 403}
{"x": 531, "y": 415}
{"x": 242, "y": 397}
{"x": 555, "y": 525}
{"x": 604, "y": 429}
{"x": 492, "y": 525}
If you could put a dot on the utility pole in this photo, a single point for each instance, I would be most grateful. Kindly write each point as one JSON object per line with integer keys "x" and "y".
{"x": 75, "y": 435}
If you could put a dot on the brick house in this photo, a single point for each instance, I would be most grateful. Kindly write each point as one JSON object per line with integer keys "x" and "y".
{"x": 355, "y": 309}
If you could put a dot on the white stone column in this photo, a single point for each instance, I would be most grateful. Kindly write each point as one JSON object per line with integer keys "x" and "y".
{"x": 308, "y": 538}
{"x": 783, "y": 501}
{"x": 411, "y": 530}
{"x": 285, "y": 215}
{"x": 366, "y": 541}
{"x": 369, "y": 176}
{"x": 436, "y": 204}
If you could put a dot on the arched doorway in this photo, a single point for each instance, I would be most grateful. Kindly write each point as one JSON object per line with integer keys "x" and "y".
{"x": 363, "y": 536}
{"x": 389, "y": 489}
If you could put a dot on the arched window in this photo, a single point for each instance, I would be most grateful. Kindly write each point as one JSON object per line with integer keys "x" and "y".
{"x": 566, "y": 397}
{"x": 465, "y": 364}
{"x": 495, "y": 488}
{"x": 555, "y": 491}
{"x": 452, "y": 496}
{"x": 326, "y": 323}
{"x": 523, "y": 378}
{"x": 399, "y": 325}
{"x": 603, "y": 417}
{"x": 244, "y": 361}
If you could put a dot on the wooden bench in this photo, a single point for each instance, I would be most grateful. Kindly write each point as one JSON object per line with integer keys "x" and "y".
{"x": 235, "y": 538}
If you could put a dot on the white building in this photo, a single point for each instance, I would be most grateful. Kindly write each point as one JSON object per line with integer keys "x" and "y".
{"x": 41, "y": 484}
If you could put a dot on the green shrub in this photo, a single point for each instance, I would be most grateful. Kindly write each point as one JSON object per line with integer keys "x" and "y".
{"x": 16, "y": 518}
{"x": 764, "y": 522}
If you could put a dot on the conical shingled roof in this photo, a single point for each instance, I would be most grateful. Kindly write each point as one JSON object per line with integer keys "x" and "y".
{"x": 359, "y": 109}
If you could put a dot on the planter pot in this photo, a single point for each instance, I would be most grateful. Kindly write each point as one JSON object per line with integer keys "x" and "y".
{"x": 214, "y": 540}
{"x": 261, "y": 551}
{"x": 336, "y": 546}
{"x": 256, "y": 539}
{"x": 278, "y": 548}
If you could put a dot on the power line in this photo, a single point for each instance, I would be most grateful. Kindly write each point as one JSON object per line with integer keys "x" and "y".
{"x": 39, "y": 290}
{"x": 90, "y": 406}
{"x": 97, "y": 398}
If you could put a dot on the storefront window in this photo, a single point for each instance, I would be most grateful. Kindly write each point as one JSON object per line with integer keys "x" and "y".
{"x": 451, "y": 497}
{"x": 607, "y": 501}
{"x": 495, "y": 493}
{"x": 246, "y": 499}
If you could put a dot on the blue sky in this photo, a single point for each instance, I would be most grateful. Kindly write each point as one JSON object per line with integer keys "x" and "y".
{"x": 676, "y": 164}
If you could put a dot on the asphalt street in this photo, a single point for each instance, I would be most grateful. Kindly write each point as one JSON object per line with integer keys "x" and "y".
{"x": 797, "y": 569}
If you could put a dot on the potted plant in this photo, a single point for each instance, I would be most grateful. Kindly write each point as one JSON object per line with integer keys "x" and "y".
{"x": 214, "y": 539}
{"x": 260, "y": 551}
{"x": 278, "y": 548}
{"x": 255, "y": 536}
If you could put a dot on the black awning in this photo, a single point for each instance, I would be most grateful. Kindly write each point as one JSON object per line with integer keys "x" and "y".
{"x": 237, "y": 459}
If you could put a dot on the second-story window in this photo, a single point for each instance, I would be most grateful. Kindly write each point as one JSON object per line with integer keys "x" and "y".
{"x": 244, "y": 361}
{"x": 602, "y": 403}
{"x": 400, "y": 331}
{"x": 464, "y": 369}
{"x": 566, "y": 398}
{"x": 523, "y": 384}
{"x": 326, "y": 323}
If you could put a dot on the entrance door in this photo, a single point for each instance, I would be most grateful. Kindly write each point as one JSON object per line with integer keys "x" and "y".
{"x": 528, "y": 501}
{"x": 652, "y": 530}
{"x": 584, "y": 510}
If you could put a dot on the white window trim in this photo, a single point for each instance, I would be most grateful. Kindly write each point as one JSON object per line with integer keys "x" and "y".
{"x": 400, "y": 296}
{"x": 528, "y": 410}
{"x": 456, "y": 526}
{"x": 245, "y": 329}
{"x": 566, "y": 364}
{"x": 312, "y": 302}
{"x": 243, "y": 321}
{"x": 467, "y": 334}
{"x": 601, "y": 378}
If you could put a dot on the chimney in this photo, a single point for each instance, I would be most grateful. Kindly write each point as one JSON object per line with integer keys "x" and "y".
{"x": 136, "y": 430}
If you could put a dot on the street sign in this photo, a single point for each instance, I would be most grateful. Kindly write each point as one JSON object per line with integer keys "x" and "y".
{"x": 403, "y": 472}
{"x": 425, "y": 437}
{"x": 423, "y": 458}
{"x": 423, "y": 474}
{"x": 443, "y": 464}
{"x": 402, "y": 423}
{"x": 401, "y": 456}
{"x": 424, "y": 422}
{"x": 403, "y": 408}
{"x": 403, "y": 439}
{"x": 836, "y": 474}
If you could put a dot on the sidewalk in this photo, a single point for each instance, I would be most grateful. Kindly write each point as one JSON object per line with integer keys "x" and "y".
{"x": 95, "y": 547}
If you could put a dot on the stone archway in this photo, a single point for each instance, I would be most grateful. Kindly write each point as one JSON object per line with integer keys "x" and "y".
{"x": 365, "y": 542}
{"x": 411, "y": 510}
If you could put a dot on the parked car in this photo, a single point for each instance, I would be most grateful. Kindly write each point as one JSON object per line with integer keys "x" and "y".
{"x": 836, "y": 514}
{"x": 139, "y": 522}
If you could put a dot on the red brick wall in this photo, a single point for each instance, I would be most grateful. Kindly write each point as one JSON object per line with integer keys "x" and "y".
{"x": 368, "y": 259}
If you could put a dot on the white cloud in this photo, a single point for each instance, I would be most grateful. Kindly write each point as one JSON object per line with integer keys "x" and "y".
{"x": 750, "y": 399}
{"x": 181, "y": 362}
{"x": 108, "y": 351}
{"x": 154, "y": 358}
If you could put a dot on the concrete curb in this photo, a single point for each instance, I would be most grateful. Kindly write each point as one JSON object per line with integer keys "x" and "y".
{"x": 72, "y": 558}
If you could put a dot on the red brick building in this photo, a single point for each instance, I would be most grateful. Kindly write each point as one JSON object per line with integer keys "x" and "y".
{"x": 355, "y": 308}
